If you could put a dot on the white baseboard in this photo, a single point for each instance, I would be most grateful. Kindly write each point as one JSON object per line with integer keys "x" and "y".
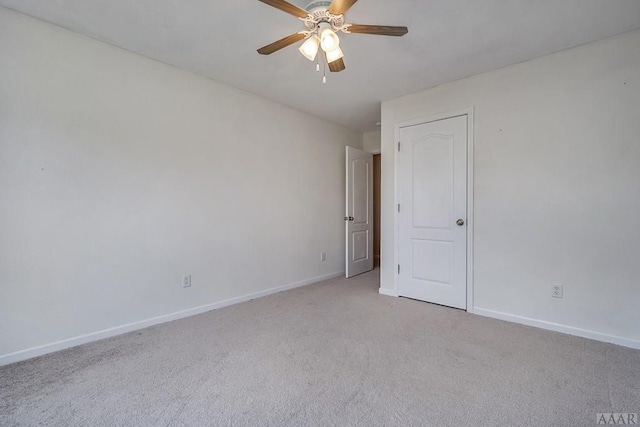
{"x": 387, "y": 292}
{"x": 557, "y": 327}
{"x": 32, "y": 352}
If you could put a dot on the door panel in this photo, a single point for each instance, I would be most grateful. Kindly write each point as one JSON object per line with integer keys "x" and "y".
{"x": 359, "y": 212}
{"x": 432, "y": 191}
{"x": 432, "y": 184}
{"x": 361, "y": 197}
{"x": 432, "y": 261}
{"x": 360, "y": 245}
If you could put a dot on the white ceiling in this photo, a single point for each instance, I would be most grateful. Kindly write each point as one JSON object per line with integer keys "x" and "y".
{"x": 447, "y": 40}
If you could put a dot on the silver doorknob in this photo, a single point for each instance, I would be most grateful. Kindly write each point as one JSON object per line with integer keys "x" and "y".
{"x": 460, "y": 222}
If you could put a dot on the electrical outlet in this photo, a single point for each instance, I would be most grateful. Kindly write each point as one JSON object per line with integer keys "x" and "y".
{"x": 556, "y": 291}
{"x": 323, "y": 256}
{"x": 186, "y": 281}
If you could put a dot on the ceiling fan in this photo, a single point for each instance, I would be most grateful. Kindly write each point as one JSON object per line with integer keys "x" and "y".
{"x": 323, "y": 19}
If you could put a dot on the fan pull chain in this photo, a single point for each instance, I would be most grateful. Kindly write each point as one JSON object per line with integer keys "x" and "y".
{"x": 324, "y": 75}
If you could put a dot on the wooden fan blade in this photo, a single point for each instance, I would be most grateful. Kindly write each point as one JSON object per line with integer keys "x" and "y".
{"x": 282, "y": 43}
{"x": 339, "y": 7}
{"x": 382, "y": 30}
{"x": 285, "y": 6}
{"x": 336, "y": 66}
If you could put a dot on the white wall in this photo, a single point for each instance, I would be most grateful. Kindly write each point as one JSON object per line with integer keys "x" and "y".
{"x": 372, "y": 142}
{"x": 557, "y": 187}
{"x": 120, "y": 174}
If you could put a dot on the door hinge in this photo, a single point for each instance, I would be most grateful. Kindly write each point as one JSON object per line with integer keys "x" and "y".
{"x": 398, "y": 268}
{"x": 398, "y": 145}
{"x": 398, "y": 207}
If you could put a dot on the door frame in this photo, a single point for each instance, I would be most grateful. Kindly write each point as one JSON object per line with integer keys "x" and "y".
{"x": 468, "y": 112}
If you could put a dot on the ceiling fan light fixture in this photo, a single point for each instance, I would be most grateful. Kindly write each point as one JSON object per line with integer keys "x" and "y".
{"x": 334, "y": 55}
{"x": 309, "y": 48}
{"x": 323, "y": 19}
{"x": 329, "y": 40}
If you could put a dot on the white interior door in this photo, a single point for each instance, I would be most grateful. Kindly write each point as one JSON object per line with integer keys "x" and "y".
{"x": 359, "y": 212}
{"x": 432, "y": 190}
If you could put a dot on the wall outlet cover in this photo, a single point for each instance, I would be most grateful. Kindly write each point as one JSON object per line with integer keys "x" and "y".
{"x": 556, "y": 291}
{"x": 186, "y": 281}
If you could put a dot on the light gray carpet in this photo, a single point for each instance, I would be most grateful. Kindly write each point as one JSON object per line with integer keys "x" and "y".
{"x": 334, "y": 353}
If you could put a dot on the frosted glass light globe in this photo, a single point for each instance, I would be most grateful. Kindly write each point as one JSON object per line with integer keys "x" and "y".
{"x": 309, "y": 48}
{"x": 329, "y": 40}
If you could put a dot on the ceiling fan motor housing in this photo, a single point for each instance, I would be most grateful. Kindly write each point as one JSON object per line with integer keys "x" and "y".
{"x": 319, "y": 14}
{"x": 318, "y": 5}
